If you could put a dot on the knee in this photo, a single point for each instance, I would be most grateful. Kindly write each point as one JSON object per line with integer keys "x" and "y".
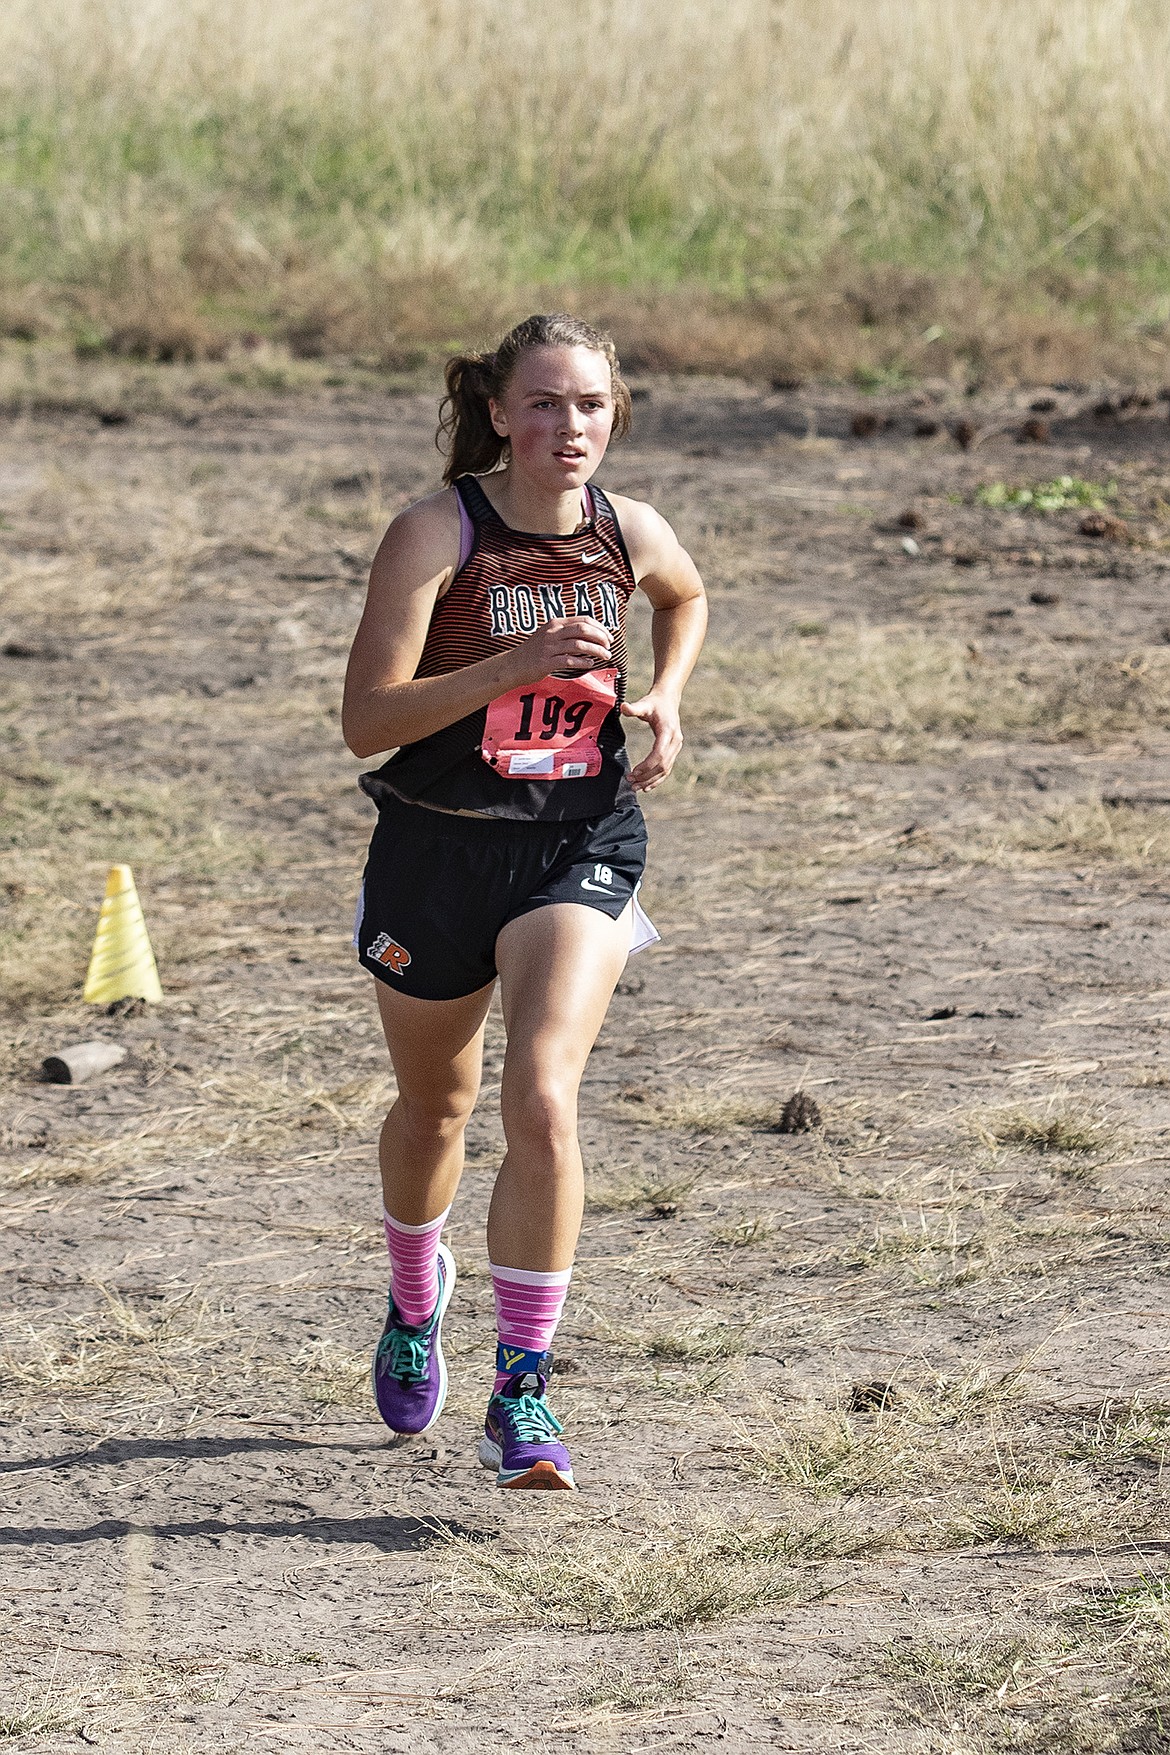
{"x": 428, "y": 1116}
{"x": 541, "y": 1119}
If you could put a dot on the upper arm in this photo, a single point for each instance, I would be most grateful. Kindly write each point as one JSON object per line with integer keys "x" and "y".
{"x": 662, "y": 567}
{"x": 416, "y": 560}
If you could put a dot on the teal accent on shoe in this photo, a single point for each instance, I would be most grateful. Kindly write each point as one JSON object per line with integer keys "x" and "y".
{"x": 403, "y": 1353}
{"x": 532, "y": 1420}
{"x": 522, "y": 1438}
{"x": 409, "y": 1371}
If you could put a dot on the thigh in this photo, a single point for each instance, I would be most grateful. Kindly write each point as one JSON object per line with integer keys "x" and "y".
{"x": 436, "y": 1045}
{"x": 558, "y": 968}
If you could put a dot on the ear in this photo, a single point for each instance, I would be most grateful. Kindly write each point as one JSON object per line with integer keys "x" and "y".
{"x": 499, "y": 418}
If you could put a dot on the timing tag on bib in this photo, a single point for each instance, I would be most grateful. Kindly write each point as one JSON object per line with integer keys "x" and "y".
{"x": 548, "y": 730}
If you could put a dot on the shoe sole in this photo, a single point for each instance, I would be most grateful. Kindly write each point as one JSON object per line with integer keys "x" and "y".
{"x": 448, "y": 1287}
{"x": 542, "y": 1477}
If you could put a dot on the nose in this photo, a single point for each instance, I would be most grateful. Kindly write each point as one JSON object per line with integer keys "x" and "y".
{"x": 571, "y": 421}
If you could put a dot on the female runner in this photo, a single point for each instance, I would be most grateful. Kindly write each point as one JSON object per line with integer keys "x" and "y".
{"x": 509, "y": 845}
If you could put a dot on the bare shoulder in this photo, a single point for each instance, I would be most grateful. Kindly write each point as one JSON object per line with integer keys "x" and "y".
{"x": 650, "y": 541}
{"x": 423, "y": 539}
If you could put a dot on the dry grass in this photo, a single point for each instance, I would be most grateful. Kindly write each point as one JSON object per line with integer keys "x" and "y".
{"x": 672, "y": 1677}
{"x": 743, "y": 186}
{"x": 827, "y": 1454}
{"x": 698, "y": 1111}
{"x": 1126, "y": 1433}
{"x": 1039, "y": 1507}
{"x": 995, "y": 1693}
{"x": 1083, "y": 830}
{"x": 627, "y": 1194}
{"x": 695, "y": 1343}
{"x": 902, "y": 683}
{"x": 186, "y": 1345}
{"x": 1058, "y": 1127}
{"x": 1150, "y": 1078}
{"x": 330, "y": 1377}
{"x": 924, "y": 1439}
{"x": 921, "y": 1436}
{"x": 262, "y": 1119}
{"x": 61, "y": 831}
{"x": 694, "y": 1574}
{"x": 164, "y": 1345}
{"x": 1092, "y": 1682}
{"x": 936, "y": 1249}
{"x": 1139, "y": 1610}
{"x": 45, "y": 1717}
{"x": 949, "y": 1672}
{"x": 941, "y": 1464}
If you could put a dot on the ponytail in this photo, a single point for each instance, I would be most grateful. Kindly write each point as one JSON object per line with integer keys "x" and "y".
{"x": 473, "y": 379}
{"x": 475, "y": 447}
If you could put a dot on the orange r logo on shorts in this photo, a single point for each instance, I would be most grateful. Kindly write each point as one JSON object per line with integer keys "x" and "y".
{"x": 392, "y": 955}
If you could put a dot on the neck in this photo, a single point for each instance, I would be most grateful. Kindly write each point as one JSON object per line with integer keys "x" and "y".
{"x": 527, "y": 506}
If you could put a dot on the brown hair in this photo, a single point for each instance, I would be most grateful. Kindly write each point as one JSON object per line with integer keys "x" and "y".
{"x": 474, "y": 446}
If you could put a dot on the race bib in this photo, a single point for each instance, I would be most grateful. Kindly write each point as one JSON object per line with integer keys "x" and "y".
{"x": 548, "y": 730}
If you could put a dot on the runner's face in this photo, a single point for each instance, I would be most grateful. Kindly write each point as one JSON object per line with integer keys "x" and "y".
{"x": 557, "y": 414}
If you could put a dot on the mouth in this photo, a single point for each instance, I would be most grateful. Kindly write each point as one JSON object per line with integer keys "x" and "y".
{"x": 569, "y": 454}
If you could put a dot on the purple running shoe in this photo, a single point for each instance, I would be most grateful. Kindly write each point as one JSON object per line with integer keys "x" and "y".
{"x": 410, "y": 1373}
{"x": 521, "y": 1434}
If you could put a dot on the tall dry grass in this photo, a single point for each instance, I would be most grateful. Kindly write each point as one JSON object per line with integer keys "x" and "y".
{"x": 384, "y": 177}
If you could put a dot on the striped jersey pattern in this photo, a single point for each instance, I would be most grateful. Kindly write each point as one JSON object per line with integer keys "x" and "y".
{"x": 511, "y": 582}
{"x": 515, "y": 580}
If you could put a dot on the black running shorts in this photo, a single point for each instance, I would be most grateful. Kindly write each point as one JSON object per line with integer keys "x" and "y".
{"x": 438, "y": 889}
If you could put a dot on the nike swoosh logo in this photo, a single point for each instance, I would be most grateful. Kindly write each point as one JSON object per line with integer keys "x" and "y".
{"x": 599, "y": 557}
{"x": 588, "y": 884}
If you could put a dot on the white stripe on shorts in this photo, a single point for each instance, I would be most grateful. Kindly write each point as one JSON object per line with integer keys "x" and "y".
{"x": 643, "y": 932}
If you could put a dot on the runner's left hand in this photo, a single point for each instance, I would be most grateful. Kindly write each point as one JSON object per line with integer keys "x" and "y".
{"x": 660, "y": 713}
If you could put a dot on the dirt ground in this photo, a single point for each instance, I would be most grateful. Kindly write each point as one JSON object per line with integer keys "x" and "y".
{"x": 869, "y": 1420}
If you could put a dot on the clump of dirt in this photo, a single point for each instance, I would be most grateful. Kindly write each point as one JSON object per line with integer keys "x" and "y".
{"x": 800, "y": 1114}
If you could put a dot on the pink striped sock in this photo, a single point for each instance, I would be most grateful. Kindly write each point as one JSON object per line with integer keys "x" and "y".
{"x": 528, "y": 1308}
{"x": 414, "y": 1274}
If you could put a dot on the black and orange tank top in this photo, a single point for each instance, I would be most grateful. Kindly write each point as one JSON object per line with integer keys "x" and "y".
{"x": 508, "y": 584}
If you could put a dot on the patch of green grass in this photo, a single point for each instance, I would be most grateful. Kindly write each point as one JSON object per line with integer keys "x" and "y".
{"x": 42, "y": 1719}
{"x": 1141, "y": 1607}
{"x": 875, "y": 380}
{"x": 1048, "y": 496}
{"x": 746, "y": 1234}
{"x": 1029, "y": 1693}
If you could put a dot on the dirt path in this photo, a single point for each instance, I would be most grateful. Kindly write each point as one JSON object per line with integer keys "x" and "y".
{"x": 868, "y": 1420}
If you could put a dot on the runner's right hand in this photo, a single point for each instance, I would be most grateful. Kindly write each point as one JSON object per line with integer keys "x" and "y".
{"x": 572, "y": 644}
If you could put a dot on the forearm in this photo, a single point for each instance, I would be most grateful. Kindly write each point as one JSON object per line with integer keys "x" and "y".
{"x": 393, "y": 714}
{"x": 676, "y": 636}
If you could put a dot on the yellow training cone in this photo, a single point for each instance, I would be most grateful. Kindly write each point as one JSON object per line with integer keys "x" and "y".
{"x": 121, "y": 965}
